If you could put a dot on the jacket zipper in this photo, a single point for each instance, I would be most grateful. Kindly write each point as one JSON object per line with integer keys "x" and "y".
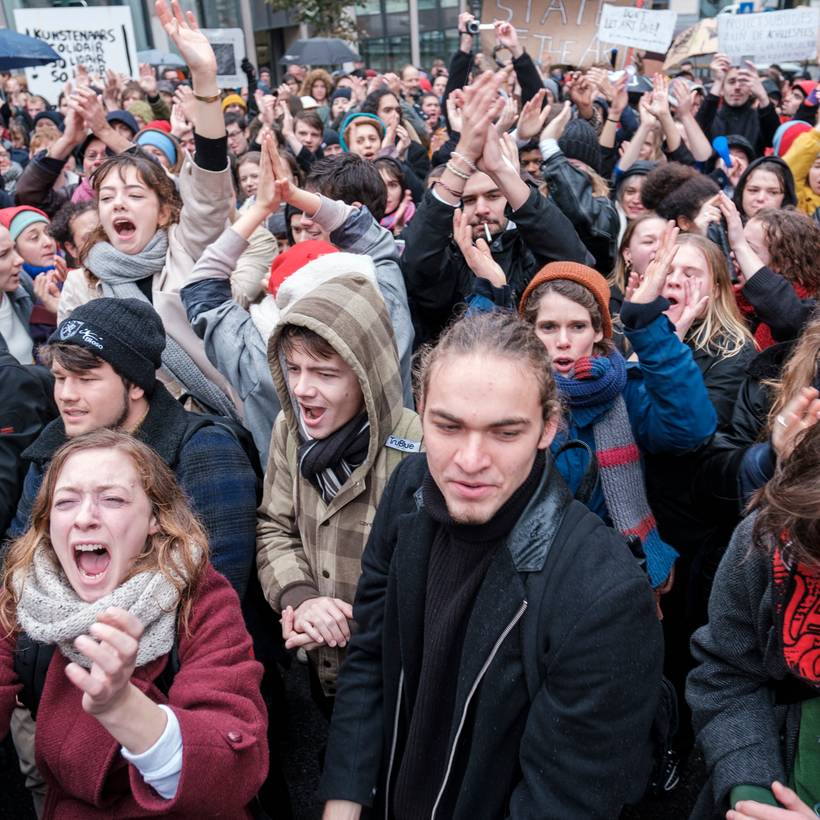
{"x": 393, "y": 748}
{"x": 481, "y": 672}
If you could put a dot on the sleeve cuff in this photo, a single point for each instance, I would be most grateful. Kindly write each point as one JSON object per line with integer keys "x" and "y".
{"x": 636, "y": 315}
{"x": 332, "y": 213}
{"x": 760, "y": 794}
{"x": 161, "y": 765}
{"x": 548, "y": 147}
{"x": 296, "y": 595}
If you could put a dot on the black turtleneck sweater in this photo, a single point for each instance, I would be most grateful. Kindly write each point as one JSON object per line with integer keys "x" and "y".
{"x": 459, "y": 558}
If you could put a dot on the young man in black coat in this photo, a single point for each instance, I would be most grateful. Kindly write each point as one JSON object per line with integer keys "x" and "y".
{"x": 523, "y": 229}
{"x": 507, "y": 660}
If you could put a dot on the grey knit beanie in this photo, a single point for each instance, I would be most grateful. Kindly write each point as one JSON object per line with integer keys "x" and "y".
{"x": 126, "y": 333}
{"x": 579, "y": 141}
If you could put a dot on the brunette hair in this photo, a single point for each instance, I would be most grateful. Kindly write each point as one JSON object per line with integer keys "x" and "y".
{"x": 619, "y": 277}
{"x": 793, "y": 240}
{"x": 370, "y": 104}
{"x": 150, "y": 173}
{"x": 675, "y": 190}
{"x": 721, "y": 331}
{"x": 495, "y": 333}
{"x": 314, "y": 345}
{"x": 575, "y": 292}
{"x": 310, "y": 118}
{"x": 787, "y": 505}
{"x": 350, "y": 178}
{"x": 178, "y": 550}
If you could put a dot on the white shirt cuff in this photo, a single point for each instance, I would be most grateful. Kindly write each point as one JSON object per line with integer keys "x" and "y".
{"x": 548, "y": 147}
{"x": 161, "y": 765}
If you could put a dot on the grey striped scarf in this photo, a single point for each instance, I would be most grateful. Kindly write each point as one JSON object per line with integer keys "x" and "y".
{"x": 119, "y": 273}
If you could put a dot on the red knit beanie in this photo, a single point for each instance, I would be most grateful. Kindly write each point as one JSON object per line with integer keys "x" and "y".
{"x": 583, "y": 275}
{"x": 294, "y": 258}
{"x": 807, "y": 87}
{"x": 159, "y": 125}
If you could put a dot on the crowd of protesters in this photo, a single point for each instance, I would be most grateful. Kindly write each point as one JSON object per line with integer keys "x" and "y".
{"x": 489, "y": 391}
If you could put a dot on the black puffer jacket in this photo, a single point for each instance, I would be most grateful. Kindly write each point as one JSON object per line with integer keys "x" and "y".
{"x": 437, "y": 276}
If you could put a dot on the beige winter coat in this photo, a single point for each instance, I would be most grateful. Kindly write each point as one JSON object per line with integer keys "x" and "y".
{"x": 306, "y": 548}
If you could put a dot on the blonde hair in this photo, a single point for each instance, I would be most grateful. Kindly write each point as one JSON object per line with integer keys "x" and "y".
{"x": 800, "y": 369}
{"x": 721, "y": 331}
{"x": 178, "y": 550}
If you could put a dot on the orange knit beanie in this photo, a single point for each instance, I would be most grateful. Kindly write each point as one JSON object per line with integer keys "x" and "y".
{"x": 583, "y": 275}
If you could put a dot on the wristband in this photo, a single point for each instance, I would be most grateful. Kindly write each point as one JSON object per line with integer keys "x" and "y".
{"x": 212, "y": 98}
{"x": 609, "y": 119}
{"x": 453, "y": 170}
{"x": 451, "y": 191}
{"x": 471, "y": 165}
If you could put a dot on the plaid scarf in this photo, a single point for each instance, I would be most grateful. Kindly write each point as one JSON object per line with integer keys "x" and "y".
{"x": 328, "y": 462}
{"x": 594, "y": 395}
{"x": 796, "y": 594}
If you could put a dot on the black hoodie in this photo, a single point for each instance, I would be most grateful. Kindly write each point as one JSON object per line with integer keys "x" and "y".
{"x": 789, "y": 194}
{"x": 757, "y": 125}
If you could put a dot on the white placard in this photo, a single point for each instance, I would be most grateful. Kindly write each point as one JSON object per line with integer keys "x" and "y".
{"x": 100, "y": 38}
{"x": 229, "y": 47}
{"x": 770, "y": 36}
{"x": 637, "y": 28}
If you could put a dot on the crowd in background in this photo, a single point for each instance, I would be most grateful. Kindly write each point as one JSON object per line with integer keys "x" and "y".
{"x": 240, "y": 308}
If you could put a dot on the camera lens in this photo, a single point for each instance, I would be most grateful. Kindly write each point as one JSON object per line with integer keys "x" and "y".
{"x": 472, "y": 27}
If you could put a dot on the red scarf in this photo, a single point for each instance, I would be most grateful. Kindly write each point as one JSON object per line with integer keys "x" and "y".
{"x": 796, "y": 594}
{"x": 763, "y": 333}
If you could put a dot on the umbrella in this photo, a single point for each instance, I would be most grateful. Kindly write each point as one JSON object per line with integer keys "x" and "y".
{"x": 693, "y": 42}
{"x": 153, "y": 56}
{"x": 319, "y": 51}
{"x": 20, "y": 51}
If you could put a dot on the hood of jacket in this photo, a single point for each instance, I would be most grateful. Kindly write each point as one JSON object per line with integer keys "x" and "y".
{"x": 789, "y": 191}
{"x": 349, "y": 313}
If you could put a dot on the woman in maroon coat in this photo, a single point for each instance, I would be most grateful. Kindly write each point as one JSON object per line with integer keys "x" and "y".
{"x": 114, "y": 572}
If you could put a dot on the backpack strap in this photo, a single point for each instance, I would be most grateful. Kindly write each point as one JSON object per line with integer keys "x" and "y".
{"x": 590, "y": 477}
{"x": 31, "y": 661}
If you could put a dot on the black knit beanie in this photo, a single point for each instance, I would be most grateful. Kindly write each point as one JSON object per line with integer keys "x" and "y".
{"x": 579, "y": 141}
{"x": 126, "y": 333}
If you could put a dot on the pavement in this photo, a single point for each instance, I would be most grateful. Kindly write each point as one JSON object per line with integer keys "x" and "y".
{"x": 304, "y": 738}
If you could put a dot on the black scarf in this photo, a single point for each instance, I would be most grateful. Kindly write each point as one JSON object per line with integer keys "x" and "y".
{"x": 328, "y": 462}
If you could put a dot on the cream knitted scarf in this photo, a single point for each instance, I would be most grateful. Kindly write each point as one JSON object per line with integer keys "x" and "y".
{"x": 51, "y": 612}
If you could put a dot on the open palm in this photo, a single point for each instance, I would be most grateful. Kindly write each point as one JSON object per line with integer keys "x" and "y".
{"x": 193, "y": 45}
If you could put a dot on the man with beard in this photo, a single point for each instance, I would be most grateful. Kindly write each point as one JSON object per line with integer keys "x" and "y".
{"x": 523, "y": 229}
{"x": 739, "y": 89}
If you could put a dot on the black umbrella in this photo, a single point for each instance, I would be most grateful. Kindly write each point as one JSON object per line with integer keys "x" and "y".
{"x": 319, "y": 51}
{"x": 21, "y": 51}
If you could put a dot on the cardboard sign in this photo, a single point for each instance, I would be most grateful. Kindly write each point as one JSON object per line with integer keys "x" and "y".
{"x": 229, "y": 48}
{"x": 637, "y": 28}
{"x": 560, "y": 31}
{"x": 98, "y": 38}
{"x": 771, "y": 36}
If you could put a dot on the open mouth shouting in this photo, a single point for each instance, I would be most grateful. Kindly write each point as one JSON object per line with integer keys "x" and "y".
{"x": 92, "y": 560}
{"x": 124, "y": 228}
{"x": 312, "y": 414}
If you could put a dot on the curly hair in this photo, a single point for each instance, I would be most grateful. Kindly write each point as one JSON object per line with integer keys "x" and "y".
{"x": 150, "y": 173}
{"x": 178, "y": 550}
{"x": 800, "y": 369}
{"x": 674, "y": 190}
{"x": 793, "y": 240}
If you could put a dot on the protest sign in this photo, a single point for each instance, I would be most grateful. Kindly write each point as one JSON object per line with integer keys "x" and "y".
{"x": 770, "y": 37}
{"x": 100, "y": 38}
{"x": 559, "y": 31}
{"x": 637, "y": 28}
{"x": 229, "y": 48}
